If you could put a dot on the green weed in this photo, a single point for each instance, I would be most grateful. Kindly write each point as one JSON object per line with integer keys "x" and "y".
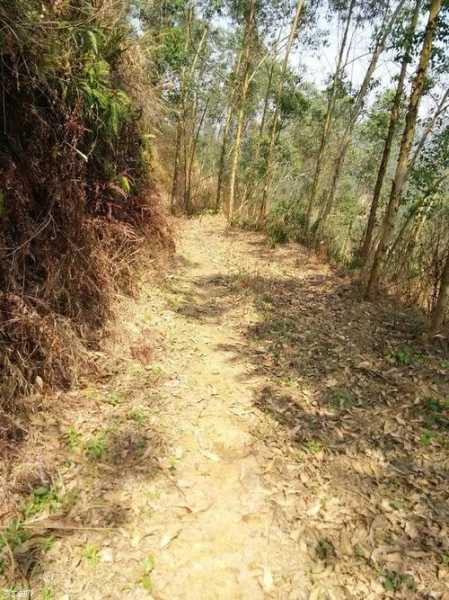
{"x": 96, "y": 447}
{"x": 48, "y": 543}
{"x": 148, "y": 566}
{"x": 397, "y": 504}
{"x": 91, "y": 554}
{"x": 394, "y": 582}
{"x": 47, "y": 594}
{"x": 426, "y": 438}
{"x": 403, "y": 356}
{"x": 42, "y": 497}
{"x": 138, "y": 415}
{"x": 437, "y": 412}
{"x": 313, "y": 446}
{"x": 277, "y": 233}
{"x": 341, "y": 399}
{"x": 359, "y": 551}
{"x": 114, "y": 398}
{"x": 325, "y": 549}
{"x": 73, "y": 438}
{"x": 12, "y": 536}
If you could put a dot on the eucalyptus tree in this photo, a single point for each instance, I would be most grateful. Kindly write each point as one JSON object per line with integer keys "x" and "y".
{"x": 275, "y": 120}
{"x": 181, "y": 39}
{"x": 405, "y": 46}
{"x": 400, "y": 177}
{"x": 428, "y": 176}
{"x": 348, "y": 14}
{"x": 255, "y": 25}
{"x": 244, "y": 74}
{"x": 441, "y": 304}
{"x": 388, "y": 17}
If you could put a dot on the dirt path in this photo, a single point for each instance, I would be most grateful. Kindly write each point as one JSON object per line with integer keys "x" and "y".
{"x": 245, "y": 444}
{"x": 208, "y": 527}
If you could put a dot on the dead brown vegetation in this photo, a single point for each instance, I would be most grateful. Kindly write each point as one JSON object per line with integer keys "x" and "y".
{"x": 77, "y": 202}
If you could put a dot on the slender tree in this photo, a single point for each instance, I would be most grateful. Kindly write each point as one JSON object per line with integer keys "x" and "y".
{"x": 394, "y": 120}
{"x": 379, "y": 47}
{"x": 329, "y": 115}
{"x": 250, "y": 25}
{"x": 441, "y": 304}
{"x": 274, "y": 126}
{"x": 399, "y": 180}
{"x": 226, "y": 129}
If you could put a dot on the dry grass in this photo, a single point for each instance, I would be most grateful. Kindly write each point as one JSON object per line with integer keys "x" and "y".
{"x": 70, "y": 237}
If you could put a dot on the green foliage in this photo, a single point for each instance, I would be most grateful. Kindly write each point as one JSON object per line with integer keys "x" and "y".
{"x": 426, "y": 438}
{"x": 402, "y": 357}
{"x": 42, "y": 498}
{"x": 124, "y": 183}
{"x": 437, "y": 413}
{"x": 286, "y": 221}
{"x": 108, "y": 107}
{"x": 96, "y": 447}
{"x": 148, "y": 567}
{"x": 75, "y": 152}
{"x": 325, "y": 549}
{"x": 91, "y": 554}
{"x": 172, "y": 54}
{"x": 14, "y": 535}
{"x": 47, "y": 594}
{"x": 313, "y": 446}
{"x": 73, "y": 438}
{"x": 114, "y": 398}
{"x": 277, "y": 232}
{"x": 395, "y": 582}
{"x": 138, "y": 415}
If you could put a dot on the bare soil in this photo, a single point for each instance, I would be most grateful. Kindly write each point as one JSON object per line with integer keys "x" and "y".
{"x": 255, "y": 431}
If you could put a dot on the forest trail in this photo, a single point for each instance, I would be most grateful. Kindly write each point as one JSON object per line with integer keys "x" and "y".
{"x": 213, "y": 522}
{"x": 233, "y": 450}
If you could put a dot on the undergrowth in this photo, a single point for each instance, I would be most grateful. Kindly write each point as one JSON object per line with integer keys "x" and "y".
{"x": 77, "y": 200}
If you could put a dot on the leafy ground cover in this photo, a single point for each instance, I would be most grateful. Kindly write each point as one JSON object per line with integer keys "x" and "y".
{"x": 255, "y": 431}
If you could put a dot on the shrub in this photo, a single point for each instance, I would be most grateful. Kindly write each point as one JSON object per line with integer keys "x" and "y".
{"x": 77, "y": 199}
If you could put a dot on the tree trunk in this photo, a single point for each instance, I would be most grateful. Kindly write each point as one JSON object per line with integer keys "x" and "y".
{"x": 269, "y": 172}
{"x": 404, "y": 153}
{"x": 196, "y": 137}
{"x": 248, "y": 192}
{"x": 224, "y": 144}
{"x": 266, "y": 101}
{"x": 190, "y": 114}
{"x": 328, "y": 119}
{"x": 394, "y": 119}
{"x": 439, "y": 311}
{"x": 355, "y": 113}
{"x": 221, "y": 162}
{"x": 327, "y": 205}
{"x": 174, "y": 188}
{"x": 241, "y": 112}
{"x": 422, "y": 209}
{"x": 235, "y": 161}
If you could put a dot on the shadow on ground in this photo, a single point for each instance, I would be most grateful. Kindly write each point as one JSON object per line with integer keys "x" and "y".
{"x": 362, "y": 402}
{"x": 85, "y": 490}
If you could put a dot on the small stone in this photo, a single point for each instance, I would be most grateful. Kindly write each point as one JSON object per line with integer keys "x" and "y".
{"x": 106, "y": 555}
